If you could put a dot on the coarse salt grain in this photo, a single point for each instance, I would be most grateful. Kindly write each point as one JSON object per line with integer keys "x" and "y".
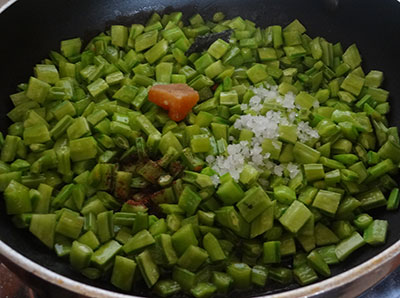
{"x": 293, "y": 170}
{"x": 263, "y": 127}
{"x": 278, "y": 170}
{"x": 210, "y": 159}
{"x": 305, "y": 132}
{"x": 244, "y": 106}
{"x": 215, "y": 180}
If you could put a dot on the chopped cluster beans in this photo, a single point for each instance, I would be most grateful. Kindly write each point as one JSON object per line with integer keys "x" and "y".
{"x": 254, "y": 158}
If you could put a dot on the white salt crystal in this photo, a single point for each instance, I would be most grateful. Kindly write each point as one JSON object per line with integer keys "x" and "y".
{"x": 267, "y": 155}
{"x": 293, "y": 170}
{"x": 278, "y": 170}
{"x": 292, "y": 116}
{"x": 210, "y": 159}
{"x": 263, "y": 126}
{"x": 255, "y": 100}
{"x": 305, "y": 132}
{"x": 244, "y": 106}
{"x": 215, "y": 180}
{"x": 288, "y": 101}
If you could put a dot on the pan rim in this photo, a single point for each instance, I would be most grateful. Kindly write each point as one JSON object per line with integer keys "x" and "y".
{"x": 6, "y": 5}
{"x": 353, "y": 281}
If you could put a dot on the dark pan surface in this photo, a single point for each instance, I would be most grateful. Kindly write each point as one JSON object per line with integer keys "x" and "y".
{"x": 30, "y": 29}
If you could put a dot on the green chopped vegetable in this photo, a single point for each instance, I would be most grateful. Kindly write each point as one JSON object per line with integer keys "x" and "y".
{"x": 279, "y": 162}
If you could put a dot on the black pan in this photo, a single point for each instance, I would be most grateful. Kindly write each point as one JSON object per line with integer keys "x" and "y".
{"x": 30, "y": 29}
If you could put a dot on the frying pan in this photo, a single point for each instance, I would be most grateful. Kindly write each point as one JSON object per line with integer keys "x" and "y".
{"x": 30, "y": 29}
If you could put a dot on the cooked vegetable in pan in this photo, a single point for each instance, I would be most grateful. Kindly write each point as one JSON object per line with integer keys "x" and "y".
{"x": 201, "y": 156}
